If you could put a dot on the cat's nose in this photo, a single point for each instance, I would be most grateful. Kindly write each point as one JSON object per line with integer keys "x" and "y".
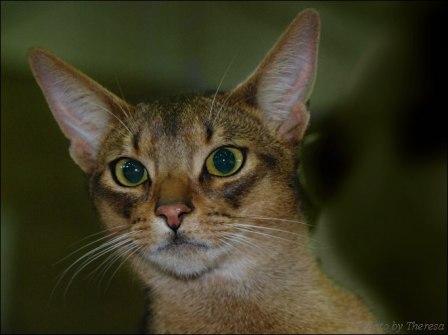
{"x": 173, "y": 214}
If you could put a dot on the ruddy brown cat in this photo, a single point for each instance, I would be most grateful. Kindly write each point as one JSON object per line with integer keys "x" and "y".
{"x": 201, "y": 193}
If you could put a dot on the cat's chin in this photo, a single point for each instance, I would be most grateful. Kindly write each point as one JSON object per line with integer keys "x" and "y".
{"x": 183, "y": 260}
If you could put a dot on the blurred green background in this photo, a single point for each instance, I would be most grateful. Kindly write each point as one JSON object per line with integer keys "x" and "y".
{"x": 373, "y": 163}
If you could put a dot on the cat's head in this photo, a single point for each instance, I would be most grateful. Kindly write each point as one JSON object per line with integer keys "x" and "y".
{"x": 188, "y": 184}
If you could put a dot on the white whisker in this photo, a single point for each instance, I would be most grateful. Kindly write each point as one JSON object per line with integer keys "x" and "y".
{"x": 132, "y": 251}
{"x": 244, "y": 240}
{"x": 85, "y": 246}
{"x": 108, "y": 111}
{"x": 93, "y": 258}
{"x": 260, "y": 233}
{"x": 87, "y": 256}
{"x": 266, "y": 228}
{"x": 123, "y": 250}
{"x": 219, "y": 85}
{"x": 272, "y": 218}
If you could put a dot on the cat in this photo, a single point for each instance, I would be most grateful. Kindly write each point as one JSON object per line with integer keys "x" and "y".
{"x": 202, "y": 194}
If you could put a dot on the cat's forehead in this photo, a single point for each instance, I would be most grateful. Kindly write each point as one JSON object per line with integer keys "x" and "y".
{"x": 197, "y": 120}
{"x": 173, "y": 119}
{"x": 173, "y": 130}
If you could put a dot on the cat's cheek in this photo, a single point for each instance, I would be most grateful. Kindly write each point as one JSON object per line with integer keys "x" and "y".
{"x": 111, "y": 216}
{"x": 269, "y": 198}
{"x": 108, "y": 215}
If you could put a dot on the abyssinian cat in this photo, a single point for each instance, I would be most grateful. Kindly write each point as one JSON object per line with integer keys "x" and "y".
{"x": 202, "y": 193}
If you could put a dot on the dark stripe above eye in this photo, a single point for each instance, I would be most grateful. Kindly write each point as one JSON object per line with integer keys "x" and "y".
{"x": 136, "y": 140}
{"x": 171, "y": 122}
{"x": 208, "y": 131}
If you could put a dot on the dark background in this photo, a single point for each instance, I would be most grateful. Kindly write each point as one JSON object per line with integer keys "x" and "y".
{"x": 373, "y": 162}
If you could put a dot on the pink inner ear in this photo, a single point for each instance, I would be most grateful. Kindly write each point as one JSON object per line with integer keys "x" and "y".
{"x": 293, "y": 128}
{"x": 287, "y": 73}
{"x": 82, "y": 153}
{"x": 297, "y": 72}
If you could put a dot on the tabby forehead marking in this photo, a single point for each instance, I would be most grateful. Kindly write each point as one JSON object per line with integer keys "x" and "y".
{"x": 136, "y": 139}
{"x": 208, "y": 131}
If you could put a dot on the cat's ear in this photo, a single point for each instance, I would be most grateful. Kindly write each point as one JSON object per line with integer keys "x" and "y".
{"x": 83, "y": 108}
{"x": 282, "y": 84}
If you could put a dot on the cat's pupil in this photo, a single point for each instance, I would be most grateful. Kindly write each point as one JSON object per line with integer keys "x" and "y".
{"x": 133, "y": 171}
{"x": 224, "y": 160}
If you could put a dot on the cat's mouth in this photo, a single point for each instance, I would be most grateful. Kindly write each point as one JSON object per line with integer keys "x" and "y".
{"x": 180, "y": 242}
{"x": 182, "y": 256}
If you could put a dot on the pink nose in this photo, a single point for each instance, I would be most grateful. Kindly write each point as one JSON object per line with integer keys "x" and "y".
{"x": 173, "y": 214}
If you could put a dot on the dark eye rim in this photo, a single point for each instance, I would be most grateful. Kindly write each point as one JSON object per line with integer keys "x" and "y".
{"x": 113, "y": 164}
{"x": 243, "y": 152}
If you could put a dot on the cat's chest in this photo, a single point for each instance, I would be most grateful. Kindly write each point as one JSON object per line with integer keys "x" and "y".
{"x": 212, "y": 317}
{"x": 217, "y": 314}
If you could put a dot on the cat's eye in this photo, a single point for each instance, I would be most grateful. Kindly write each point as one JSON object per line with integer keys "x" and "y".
{"x": 130, "y": 172}
{"x": 224, "y": 161}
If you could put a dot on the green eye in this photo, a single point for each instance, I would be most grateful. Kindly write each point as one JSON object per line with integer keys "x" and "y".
{"x": 224, "y": 161}
{"x": 129, "y": 172}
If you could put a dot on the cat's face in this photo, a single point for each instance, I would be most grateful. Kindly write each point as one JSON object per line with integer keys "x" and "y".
{"x": 182, "y": 147}
{"x": 196, "y": 184}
